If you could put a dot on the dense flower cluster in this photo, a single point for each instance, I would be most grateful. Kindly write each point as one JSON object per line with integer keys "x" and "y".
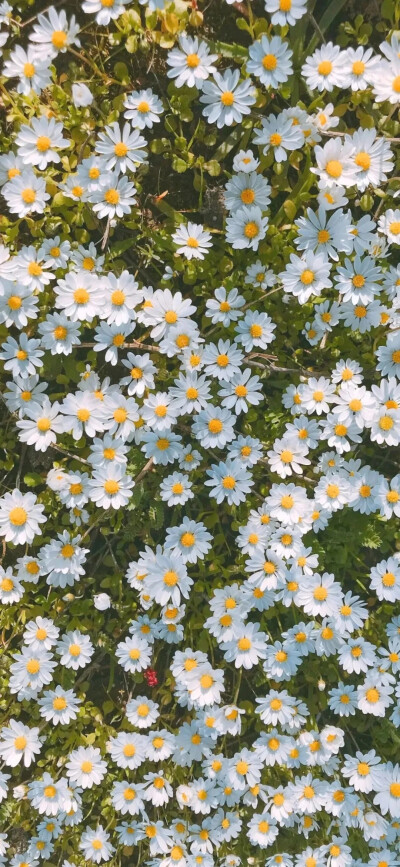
{"x": 112, "y": 384}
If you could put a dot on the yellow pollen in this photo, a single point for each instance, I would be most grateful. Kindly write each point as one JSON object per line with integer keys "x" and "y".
{"x": 269, "y": 62}
{"x": 388, "y": 579}
{"x": 325, "y": 67}
{"x": 251, "y": 230}
{"x": 244, "y": 644}
{"x": 111, "y": 486}
{"x": 332, "y": 491}
{"x": 358, "y": 68}
{"x": 170, "y": 578}
{"x": 59, "y": 39}
{"x": 227, "y": 98}
{"x": 241, "y": 391}
{"x": 118, "y": 298}
{"x": 334, "y": 168}
{"x": 363, "y": 160}
{"x": 247, "y": 196}
{"x": 307, "y": 277}
{"x": 33, "y": 666}
{"x": 192, "y": 60}
{"x": 121, "y": 149}
{"x": 372, "y": 695}
{"x": 386, "y": 422}
{"x": 29, "y": 70}
{"x": 112, "y": 197}
{"x": 43, "y": 143}
{"x": 275, "y": 139}
{"x": 215, "y": 426}
{"x": 18, "y": 516}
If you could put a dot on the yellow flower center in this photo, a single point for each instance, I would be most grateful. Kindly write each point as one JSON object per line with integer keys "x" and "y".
{"x": 251, "y": 229}
{"x": 29, "y": 70}
{"x": 14, "y": 302}
{"x": 192, "y": 60}
{"x": 170, "y": 578}
{"x": 325, "y": 67}
{"x": 121, "y": 150}
{"x": 111, "y": 486}
{"x": 247, "y": 196}
{"x": 43, "y": 143}
{"x": 59, "y": 38}
{"x": 18, "y": 516}
{"x": 275, "y": 139}
{"x": 363, "y": 160}
{"x": 227, "y": 98}
{"x": 332, "y": 491}
{"x": 215, "y": 425}
{"x": 112, "y": 197}
{"x": 358, "y": 68}
{"x": 33, "y": 666}
{"x": 269, "y": 62}
{"x": 263, "y": 827}
{"x": 334, "y": 168}
{"x": 28, "y": 195}
{"x": 34, "y": 269}
{"x": 60, "y": 332}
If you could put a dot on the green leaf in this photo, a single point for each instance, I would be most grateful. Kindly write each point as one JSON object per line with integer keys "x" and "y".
{"x": 32, "y": 480}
